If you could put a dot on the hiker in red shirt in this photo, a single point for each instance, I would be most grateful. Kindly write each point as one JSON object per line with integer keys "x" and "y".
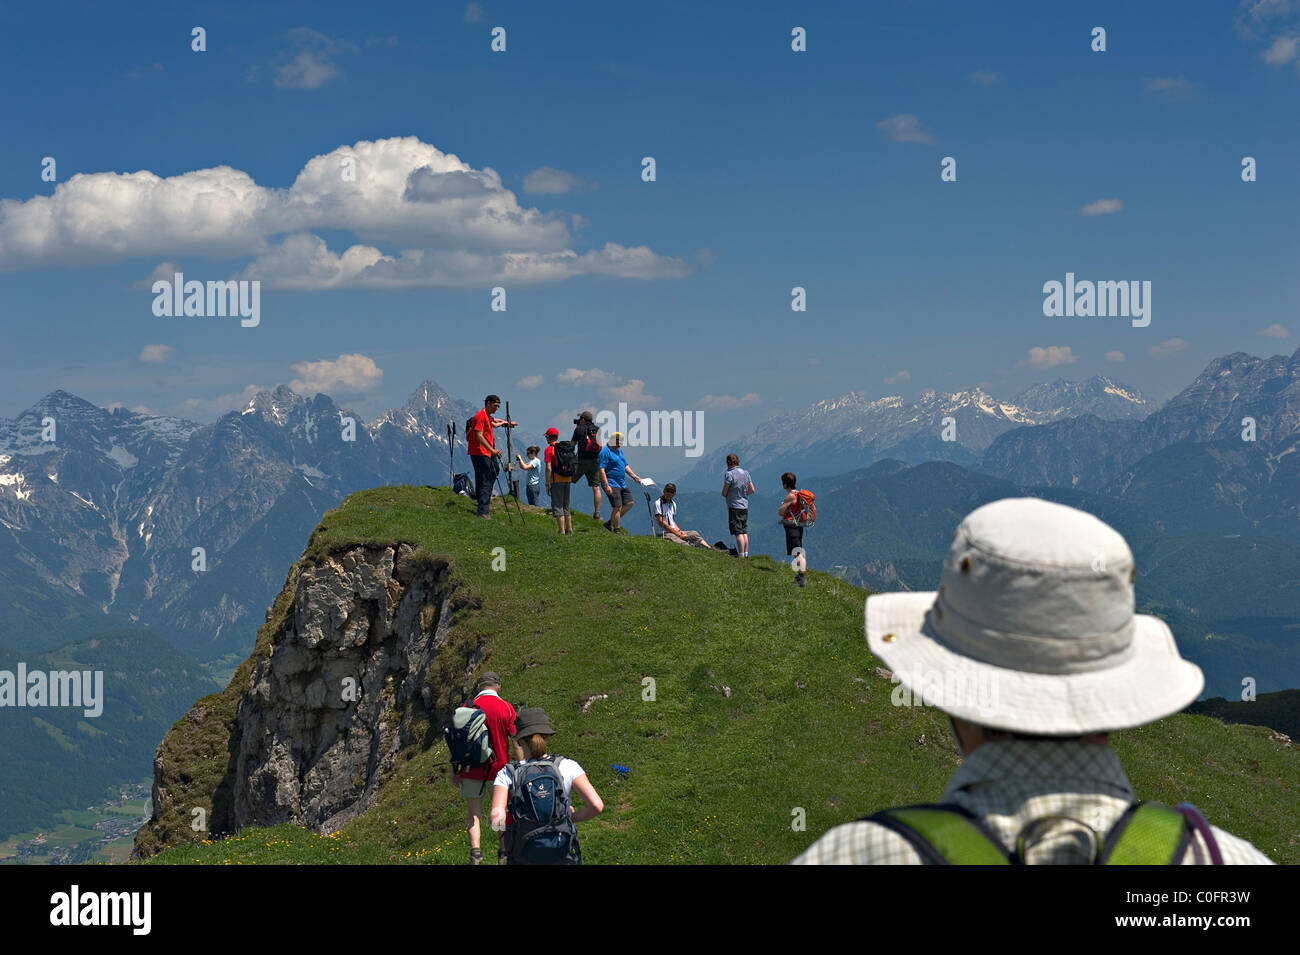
{"x": 500, "y": 717}
{"x": 483, "y": 452}
{"x": 557, "y": 485}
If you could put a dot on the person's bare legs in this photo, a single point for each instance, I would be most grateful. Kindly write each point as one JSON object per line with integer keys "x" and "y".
{"x": 474, "y": 806}
{"x": 595, "y": 501}
{"x": 742, "y": 545}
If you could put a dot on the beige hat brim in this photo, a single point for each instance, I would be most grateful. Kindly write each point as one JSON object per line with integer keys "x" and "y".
{"x": 1152, "y": 683}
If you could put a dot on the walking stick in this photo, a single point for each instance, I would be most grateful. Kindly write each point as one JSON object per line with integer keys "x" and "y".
{"x": 451, "y": 446}
{"x": 510, "y": 465}
{"x": 505, "y": 501}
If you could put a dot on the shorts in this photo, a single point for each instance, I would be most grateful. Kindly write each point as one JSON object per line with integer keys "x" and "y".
{"x": 793, "y": 537}
{"x": 738, "y": 520}
{"x": 618, "y": 496}
{"x": 474, "y": 788}
{"x": 560, "y": 499}
{"x": 589, "y": 468}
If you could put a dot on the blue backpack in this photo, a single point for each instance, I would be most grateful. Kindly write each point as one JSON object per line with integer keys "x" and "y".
{"x": 543, "y": 831}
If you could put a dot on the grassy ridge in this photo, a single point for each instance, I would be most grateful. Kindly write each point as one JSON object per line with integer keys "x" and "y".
{"x": 765, "y": 702}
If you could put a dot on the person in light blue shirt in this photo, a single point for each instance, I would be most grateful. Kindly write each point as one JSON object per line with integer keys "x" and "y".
{"x": 533, "y": 488}
{"x": 614, "y": 472}
{"x": 736, "y": 488}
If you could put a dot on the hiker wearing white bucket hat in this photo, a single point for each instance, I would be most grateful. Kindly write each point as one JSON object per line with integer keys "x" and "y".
{"x": 1032, "y": 647}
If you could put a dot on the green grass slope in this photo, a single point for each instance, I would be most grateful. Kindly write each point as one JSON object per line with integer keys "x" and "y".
{"x": 765, "y": 702}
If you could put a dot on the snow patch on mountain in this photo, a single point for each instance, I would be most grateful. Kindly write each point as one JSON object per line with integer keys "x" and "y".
{"x": 124, "y": 458}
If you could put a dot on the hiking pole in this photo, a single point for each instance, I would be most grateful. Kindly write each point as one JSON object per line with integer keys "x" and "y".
{"x": 510, "y": 464}
{"x": 451, "y": 446}
{"x": 646, "y": 489}
{"x": 504, "y": 501}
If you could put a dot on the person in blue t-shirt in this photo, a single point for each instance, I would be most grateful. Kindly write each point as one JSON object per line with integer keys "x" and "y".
{"x": 736, "y": 488}
{"x": 614, "y": 472}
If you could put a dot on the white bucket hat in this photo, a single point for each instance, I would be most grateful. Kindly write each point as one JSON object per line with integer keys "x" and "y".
{"x": 1032, "y": 629}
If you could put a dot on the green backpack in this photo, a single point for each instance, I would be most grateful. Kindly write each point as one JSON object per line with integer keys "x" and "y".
{"x": 1149, "y": 833}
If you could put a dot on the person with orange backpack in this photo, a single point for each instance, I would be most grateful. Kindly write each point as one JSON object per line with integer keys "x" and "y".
{"x": 798, "y": 511}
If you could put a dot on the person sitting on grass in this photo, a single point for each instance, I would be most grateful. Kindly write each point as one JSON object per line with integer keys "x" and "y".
{"x": 665, "y": 511}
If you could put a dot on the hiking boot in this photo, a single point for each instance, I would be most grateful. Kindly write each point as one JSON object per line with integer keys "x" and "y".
{"x": 608, "y": 527}
{"x": 801, "y": 578}
{"x": 475, "y": 856}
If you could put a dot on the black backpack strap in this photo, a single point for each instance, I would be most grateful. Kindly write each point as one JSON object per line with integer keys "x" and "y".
{"x": 962, "y": 821}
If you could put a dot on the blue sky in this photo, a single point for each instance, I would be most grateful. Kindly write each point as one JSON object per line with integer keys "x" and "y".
{"x": 775, "y": 169}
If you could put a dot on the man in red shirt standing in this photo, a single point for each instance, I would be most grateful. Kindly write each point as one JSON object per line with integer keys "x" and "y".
{"x": 500, "y": 717}
{"x": 483, "y": 452}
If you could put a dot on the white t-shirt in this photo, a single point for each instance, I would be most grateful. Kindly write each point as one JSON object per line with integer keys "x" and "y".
{"x": 569, "y": 771}
{"x": 667, "y": 510}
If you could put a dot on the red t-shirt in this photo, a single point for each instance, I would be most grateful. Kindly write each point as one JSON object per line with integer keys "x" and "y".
{"x": 501, "y": 725}
{"x": 483, "y": 425}
{"x": 549, "y": 458}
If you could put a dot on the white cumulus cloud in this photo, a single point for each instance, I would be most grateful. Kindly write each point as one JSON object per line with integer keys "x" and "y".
{"x": 905, "y": 128}
{"x": 421, "y": 217}
{"x": 633, "y": 392}
{"x": 1275, "y": 330}
{"x": 1102, "y": 207}
{"x": 1115, "y": 356}
{"x": 1167, "y": 348}
{"x": 156, "y": 354}
{"x": 1051, "y": 356}
{"x": 1282, "y": 50}
{"x": 309, "y": 61}
{"x": 547, "y": 180}
{"x": 899, "y": 378}
{"x": 532, "y": 381}
{"x": 588, "y": 378}
{"x": 1169, "y": 85}
{"x": 347, "y": 374}
{"x": 205, "y": 407}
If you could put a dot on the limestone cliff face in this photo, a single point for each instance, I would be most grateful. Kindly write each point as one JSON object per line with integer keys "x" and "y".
{"x": 353, "y": 665}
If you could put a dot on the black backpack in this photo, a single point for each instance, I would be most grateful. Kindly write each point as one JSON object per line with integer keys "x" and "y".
{"x": 564, "y": 460}
{"x": 543, "y": 831}
{"x": 462, "y": 484}
{"x": 588, "y": 436}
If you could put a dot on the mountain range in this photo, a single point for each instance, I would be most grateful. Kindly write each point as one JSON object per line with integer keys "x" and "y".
{"x": 101, "y": 526}
{"x": 839, "y": 434}
{"x": 106, "y": 518}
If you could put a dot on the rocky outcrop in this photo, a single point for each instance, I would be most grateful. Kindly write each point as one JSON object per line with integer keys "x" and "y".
{"x": 354, "y": 665}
